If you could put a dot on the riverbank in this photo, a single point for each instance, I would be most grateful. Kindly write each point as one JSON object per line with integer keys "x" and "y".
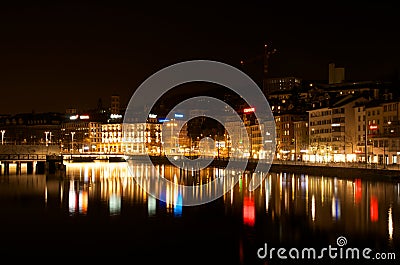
{"x": 337, "y": 170}
{"x": 347, "y": 172}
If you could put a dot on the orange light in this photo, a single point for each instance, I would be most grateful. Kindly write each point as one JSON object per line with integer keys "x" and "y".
{"x": 373, "y": 127}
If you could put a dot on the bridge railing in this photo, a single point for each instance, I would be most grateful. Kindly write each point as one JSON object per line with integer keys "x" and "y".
{"x": 21, "y": 157}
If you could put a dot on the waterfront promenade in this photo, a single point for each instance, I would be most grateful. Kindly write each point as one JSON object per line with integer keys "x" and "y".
{"x": 339, "y": 170}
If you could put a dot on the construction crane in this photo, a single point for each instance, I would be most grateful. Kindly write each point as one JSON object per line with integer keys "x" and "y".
{"x": 265, "y": 56}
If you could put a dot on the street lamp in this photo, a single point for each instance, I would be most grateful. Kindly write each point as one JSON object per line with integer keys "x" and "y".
{"x": 365, "y": 139}
{"x": 46, "y": 133}
{"x": 72, "y": 143}
{"x": 371, "y": 128}
{"x": 2, "y": 136}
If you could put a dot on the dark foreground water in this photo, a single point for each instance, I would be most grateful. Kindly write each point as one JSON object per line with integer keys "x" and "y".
{"x": 98, "y": 212}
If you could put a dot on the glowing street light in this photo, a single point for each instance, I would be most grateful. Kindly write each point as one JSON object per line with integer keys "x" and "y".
{"x": 72, "y": 144}
{"x": 47, "y": 141}
{"x": 2, "y": 136}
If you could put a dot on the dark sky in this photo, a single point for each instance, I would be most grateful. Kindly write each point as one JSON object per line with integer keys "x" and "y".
{"x": 57, "y": 56}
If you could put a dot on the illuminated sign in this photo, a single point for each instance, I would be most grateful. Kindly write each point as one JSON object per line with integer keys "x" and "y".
{"x": 373, "y": 127}
{"x": 178, "y": 115}
{"x": 248, "y": 110}
{"x": 74, "y": 117}
{"x": 152, "y": 116}
{"x": 163, "y": 120}
{"x": 84, "y": 117}
{"x": 115, "y": 116}
{"x": 335, "y": 125}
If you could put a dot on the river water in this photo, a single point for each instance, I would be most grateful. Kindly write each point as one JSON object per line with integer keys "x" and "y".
{"x": 99, "y": 211}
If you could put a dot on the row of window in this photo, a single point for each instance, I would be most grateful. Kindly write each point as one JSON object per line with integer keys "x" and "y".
{"x": 321, "y": 113}
{"x": 390, "y": 107}
{"x": 320, "y": 122}
{"x": 322, "y": 139}
{"x": 316, "y": 131}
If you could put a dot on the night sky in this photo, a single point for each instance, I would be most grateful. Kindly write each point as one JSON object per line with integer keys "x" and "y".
{"x": 58, "y": 56}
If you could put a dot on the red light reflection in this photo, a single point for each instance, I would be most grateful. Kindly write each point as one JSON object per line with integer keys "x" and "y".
{"x": 374, "y": 209}
{"x": 357, "y": 191}
{"x": 249, "y": 215}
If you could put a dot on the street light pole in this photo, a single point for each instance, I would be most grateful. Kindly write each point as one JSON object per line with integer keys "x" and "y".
{"x": 72, "y": 144}
{"x": 2, "y": 136}
{"x": 366, "y": 140}
{"x": 384, "y": 153}
{"x": 46, "y": 133}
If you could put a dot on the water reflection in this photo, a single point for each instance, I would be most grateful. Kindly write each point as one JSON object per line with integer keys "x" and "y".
{"x": 285, "y": 208}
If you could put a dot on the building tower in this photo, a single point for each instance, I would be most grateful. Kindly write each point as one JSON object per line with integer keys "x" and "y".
{"x": 267, "y": 54}
{"x": 115, "y": 104}
{"x": 336, "y": 74}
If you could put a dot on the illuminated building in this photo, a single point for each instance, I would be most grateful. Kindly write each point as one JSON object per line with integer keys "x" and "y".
{"x": 285, "y": 134}
{"x": 332, "y": 130}
{"x": 115, "y": 104}
{"x": 175, "y": 136}
{"x": 77, "y": 136}
{"x": 131, "y": 138}
{"x": 382, "y": 130}
{"x": 301, "y": 138}
{"x": 280, "y": 84}
{"x": 30, "y": 128}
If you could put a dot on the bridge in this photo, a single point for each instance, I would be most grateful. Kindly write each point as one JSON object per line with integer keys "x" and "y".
{"x": 31, "y": 158}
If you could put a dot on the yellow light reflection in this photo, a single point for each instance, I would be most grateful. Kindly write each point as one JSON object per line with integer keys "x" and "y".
{"x": 45, "y": 194}
{"x": 83, "y": 202}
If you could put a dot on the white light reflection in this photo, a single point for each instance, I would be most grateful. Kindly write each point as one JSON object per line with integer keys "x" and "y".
{"x": 72, "y": 201}
{"x": 306, "y": 190}
{"x": 115, "y": 204}
{"x": 86, "y": 174}
{"x": 151, "y": 206}
{"x": 313, "y": 208}
{"x": 267, "y": 192}
{"x": 390, "y": 223}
